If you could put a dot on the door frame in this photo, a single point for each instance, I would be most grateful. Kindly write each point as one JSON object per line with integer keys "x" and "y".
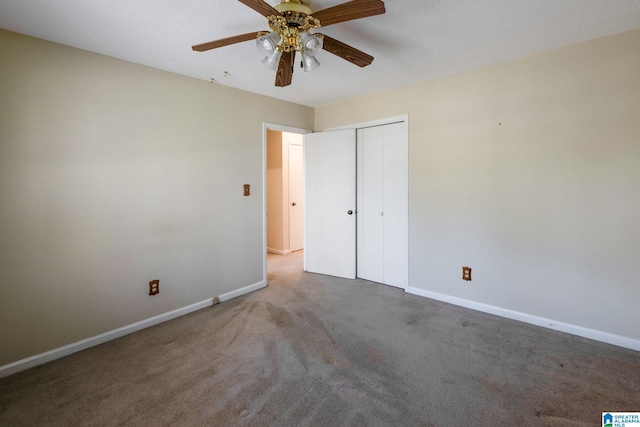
{"x": 280, "y": 128}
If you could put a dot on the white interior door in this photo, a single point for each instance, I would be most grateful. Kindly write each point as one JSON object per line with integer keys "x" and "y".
{"x": 330, "y": 219}
{"x": 296, "y": 198}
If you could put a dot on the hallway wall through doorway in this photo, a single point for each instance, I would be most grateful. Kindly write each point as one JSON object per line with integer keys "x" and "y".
{"x": 284, "y": 192}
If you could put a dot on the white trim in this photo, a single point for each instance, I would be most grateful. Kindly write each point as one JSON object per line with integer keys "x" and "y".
{"x": 278, "y": 251}
{"x": 242, "y": 291}
{"x": 75, "y": 347}
{"x": 580, "y": 331}
{"x": 304, "y": 202}
{"x": 283, "y": 128}
{"x": 57, "y": 353}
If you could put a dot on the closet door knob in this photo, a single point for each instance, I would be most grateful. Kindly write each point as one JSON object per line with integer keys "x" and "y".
{"x": 293, "y": 204}
{"x": 350, "y": 212}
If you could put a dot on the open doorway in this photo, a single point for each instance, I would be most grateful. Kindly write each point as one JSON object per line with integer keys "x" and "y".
{"x": 284, "y": 197}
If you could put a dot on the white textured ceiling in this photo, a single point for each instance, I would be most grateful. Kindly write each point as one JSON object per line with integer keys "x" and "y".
{"x": 415, "y": 40}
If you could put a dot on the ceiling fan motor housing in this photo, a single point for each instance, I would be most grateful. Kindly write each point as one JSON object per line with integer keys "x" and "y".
{"x": 294, "y": 12}
{"x": 295, "y": 6}
{"x": 294, "y": 19}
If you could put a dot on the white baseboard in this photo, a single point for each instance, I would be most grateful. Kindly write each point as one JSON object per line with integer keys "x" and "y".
{"x": 57, "y": 353}
{"x": 278, "y": 251}
{"x": 580, "y": 331}
{"x": 241, "y": 291}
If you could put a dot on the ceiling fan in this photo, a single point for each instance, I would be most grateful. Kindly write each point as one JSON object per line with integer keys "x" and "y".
{"x": 291, "y": 23}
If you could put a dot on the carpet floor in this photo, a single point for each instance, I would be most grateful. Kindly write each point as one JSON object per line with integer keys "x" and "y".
{"x": 311, "y": 350}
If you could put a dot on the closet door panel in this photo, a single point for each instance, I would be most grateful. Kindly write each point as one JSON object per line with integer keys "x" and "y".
{"x": 371, "y": 207}
{"x": 396, "y": 215}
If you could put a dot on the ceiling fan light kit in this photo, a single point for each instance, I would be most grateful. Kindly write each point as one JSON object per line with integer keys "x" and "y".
{"x": 311, "y": 44}
{"x": 268, "y": 43}
{"x": 272, "y": 61}
{"x": 291, "y": 23}
{"x": 309, "y": 63}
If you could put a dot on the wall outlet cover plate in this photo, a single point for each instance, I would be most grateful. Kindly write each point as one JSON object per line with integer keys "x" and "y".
{"x": 466, "y": 273}
{"x": 154, "y": 287}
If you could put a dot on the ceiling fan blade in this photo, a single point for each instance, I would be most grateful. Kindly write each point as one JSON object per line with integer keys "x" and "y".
{"x": 347, "y": 52}
{"x": 348, "y": 11}
{"x": 225, "y": 42}
{"x": 285, "y": 69}
{"x": 261, "y": 7}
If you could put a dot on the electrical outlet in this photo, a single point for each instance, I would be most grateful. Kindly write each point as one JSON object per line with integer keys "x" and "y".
{"x": 466, "y": 273}
{"x": 154, "y": 287}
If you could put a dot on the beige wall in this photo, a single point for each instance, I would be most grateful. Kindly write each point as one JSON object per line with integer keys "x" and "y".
{"x": 528, "y": 172}
{"x": 275, "y": 192}
{"x": 278, "y": 178}
{"x": 113, "y": 174}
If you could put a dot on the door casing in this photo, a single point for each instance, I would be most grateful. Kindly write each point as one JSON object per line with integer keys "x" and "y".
{"x": 280, "y": 128}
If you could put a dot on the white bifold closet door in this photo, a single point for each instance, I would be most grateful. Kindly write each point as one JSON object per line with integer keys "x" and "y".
{"x": 382, "y": 200}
